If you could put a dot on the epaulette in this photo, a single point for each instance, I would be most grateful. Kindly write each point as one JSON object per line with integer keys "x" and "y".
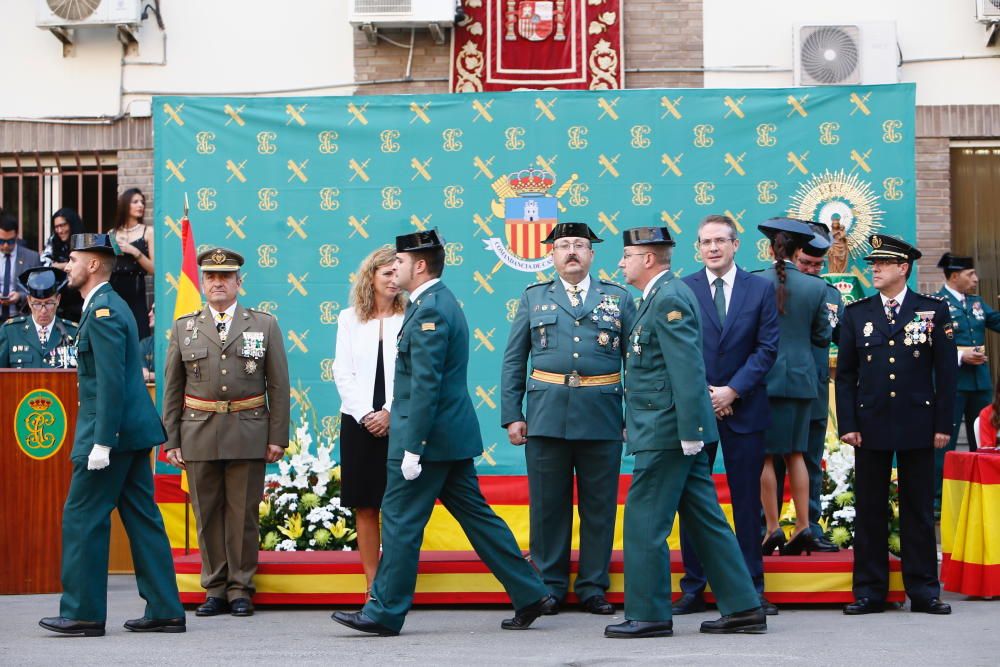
{"x": 69, "y": 322}
{"x": 540, "y": 283}
{"x": 612, "y": 282}
{"x": 16, "y": 320}
{"x": 932, "y": 296}
{"x": 758, "y": 271}
{"x": 260, "y": 312}
{"x": 854, "y": 303}
{"x": 192, "y": 314}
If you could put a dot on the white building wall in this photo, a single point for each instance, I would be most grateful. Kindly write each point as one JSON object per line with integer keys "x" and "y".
{"x": 759, "y": 33}
{"x": 209, "y": 46}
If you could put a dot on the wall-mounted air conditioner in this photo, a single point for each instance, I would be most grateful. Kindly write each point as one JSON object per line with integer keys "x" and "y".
{"x": 988, "y": 11}
{"x": 845, "y": 54}
{"x": 372, "y": 15}
{"x": 82, "y": 13}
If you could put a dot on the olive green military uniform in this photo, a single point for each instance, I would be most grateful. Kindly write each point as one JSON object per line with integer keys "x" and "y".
{"x": 20, "y": 347}
{"x": 574, "y": 417}
{"x": 667, "y": 401}
{"x": 223, "y": 404}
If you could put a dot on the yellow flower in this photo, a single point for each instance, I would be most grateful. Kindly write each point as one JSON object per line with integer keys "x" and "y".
{"x": 335, "y": 473}
{"x": 293, "y": 527}
{"x": 264, "y": 509}
{"x": 339, "y": 529}
{"x": 293, "y": 447}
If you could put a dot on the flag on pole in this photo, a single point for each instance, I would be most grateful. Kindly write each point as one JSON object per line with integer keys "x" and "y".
{"x": 188, "y": 288}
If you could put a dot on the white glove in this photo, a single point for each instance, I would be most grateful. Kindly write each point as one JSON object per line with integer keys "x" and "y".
{"x": 692, "y": 447}
{"x": 411, "y": 466}
{"x": 100, "y": 458}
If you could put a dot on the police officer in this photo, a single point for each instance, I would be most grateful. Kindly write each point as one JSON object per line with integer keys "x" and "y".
{"x": 896, "y": 377}
{"x": 39, "y": 340}
{"x": 433, "y": 439}
{"x": 970, "y": 317}
{"x": 116, "y": 428}
{"x": 669, "y": 418}
{"x": 572, "y": 328}
{"x": 226, "y": 409}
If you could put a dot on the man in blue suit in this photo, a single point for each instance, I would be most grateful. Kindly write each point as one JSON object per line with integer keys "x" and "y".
{"x": 739, "y": 343}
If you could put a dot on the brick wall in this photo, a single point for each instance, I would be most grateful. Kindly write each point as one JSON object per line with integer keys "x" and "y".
{"x": 135, "y": 170}
{"x": 933, "y": 208}
{"x": 658, "y": 34}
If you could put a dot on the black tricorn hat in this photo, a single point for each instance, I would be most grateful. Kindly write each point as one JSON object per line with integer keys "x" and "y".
{"x": 950, "y": 262}
{"x": 42, "y": 282}
{"x": 88, "y": 242}
{"x": 820, "y": 242}
{"x": 799, "y": 230}
{"x": 647, "y": 236}
{"x": 424, "y": 240}
{"x": 575, "y": 229}
{"x": 891, "y": 249}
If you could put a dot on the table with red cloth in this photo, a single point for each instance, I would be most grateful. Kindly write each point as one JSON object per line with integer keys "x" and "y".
{"x": 970, "y": 523}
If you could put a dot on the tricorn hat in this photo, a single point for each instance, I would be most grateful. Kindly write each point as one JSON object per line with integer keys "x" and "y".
{"x": 799, "y": 230}
{"x": 88, "y": 242}
{"x": 575, "y": 229}
{"x": 820, "y": 242}
{"x": 423, "y": 240}
{"x": 647, "y": 236}
{"x": 949, "y": 263}
{"x": 42, "y": 282}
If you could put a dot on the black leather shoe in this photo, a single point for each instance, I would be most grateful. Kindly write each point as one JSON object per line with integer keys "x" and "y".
{"x": 932, "y": 606}
{"x": 156, "y": 624}
{"x": 689, "y": 603}
{"x": 640, "y": 629}
{"x": 864, "y": 606}
{"x": 525, "y": 616}
{"x": 67, "y": 626}
{"x": 358, "y": 621}
{"x": 554, "y": 610}
{"x": 825, "y": 545}
{"x": 212, "y": 607}
{"x": 770, "y": 609}
{"x": 241, "y": 607}
{"x": 752, "y": 622}
{"x": 597, "y": 604}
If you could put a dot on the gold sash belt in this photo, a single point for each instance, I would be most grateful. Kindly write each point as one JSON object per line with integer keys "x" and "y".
{"x": 223, "y": 407}
{"x": 574, "y": 379}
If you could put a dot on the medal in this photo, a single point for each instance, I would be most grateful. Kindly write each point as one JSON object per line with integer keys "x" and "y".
{"x": 916, "y": 354}
{"x": 190, "y": 325}
{"x": 869, "y": 328}
{"x": 253, "y": 344}
{"x": 603, "y": 338}
{"x": 187, "y": 340}
{"x": 250, "y": 367}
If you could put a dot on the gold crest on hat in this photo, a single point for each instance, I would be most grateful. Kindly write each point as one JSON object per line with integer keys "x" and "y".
{"x": 876, "y": 242}
{"x": 219, "y": 257}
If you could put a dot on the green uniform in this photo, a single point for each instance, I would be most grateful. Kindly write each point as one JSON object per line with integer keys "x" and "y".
{"x": 433, "y": 416}
{"x": 667, "y": 401}
{"x": 20, "y": 347}
{"x": 573, "y": 431}
{"x": 115, "y": 411}
{"x": 970, "y": 320}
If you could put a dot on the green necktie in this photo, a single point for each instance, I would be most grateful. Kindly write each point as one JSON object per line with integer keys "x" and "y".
{"x": 720, "y": 299}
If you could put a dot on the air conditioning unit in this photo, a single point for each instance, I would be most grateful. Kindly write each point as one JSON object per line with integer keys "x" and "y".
{"x": 402, "y": 13}
{"x": 860, "y": 53}
{"x": 988, "y": 11}
{"x": 83, "y": 13}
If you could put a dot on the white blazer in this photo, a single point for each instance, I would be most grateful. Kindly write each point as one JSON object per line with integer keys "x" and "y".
{"x": 356, "y": 358}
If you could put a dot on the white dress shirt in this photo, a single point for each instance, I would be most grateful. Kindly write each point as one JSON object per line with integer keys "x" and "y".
{"x": 86, "y": 299}
{"x": 356, "y": 359}
{"x": 728, "y": 280}
{"x": 649, "y": 285}
{"x": 39, "y": 329}
{"x": 584, "y": 286}
{"x": 415, "y": 294}
{"x": 899, "y": 299}
{"x": 229, "y": 317}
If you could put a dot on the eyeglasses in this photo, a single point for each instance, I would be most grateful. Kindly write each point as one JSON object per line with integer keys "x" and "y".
{"x": 708, "y": 243}
{"x": 567, "y": 246}
{"x": 43, "y": 305}
{"x": 8, "y": 241}
{"x": 626, "y": 255}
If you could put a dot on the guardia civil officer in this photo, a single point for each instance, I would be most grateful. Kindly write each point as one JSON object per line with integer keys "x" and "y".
{"x": 669, "y": 417}
{"x": 896, "y": 376}
{"x": 226, "y": 410}
{"x": 433, "y": 439}
{"x": 41, "y": 339}
{"x": 572, "y": 330}
{"x": 970, "y": 316}
{"x": 116, "y": 427}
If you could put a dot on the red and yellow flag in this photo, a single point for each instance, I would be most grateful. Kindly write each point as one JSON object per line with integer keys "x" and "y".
{"x": 188, "y": 288}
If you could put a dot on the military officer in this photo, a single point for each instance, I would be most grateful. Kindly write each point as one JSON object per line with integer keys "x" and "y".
{"x": 226, "y": 410}
{"x": 896, "y": 376}
{"x": 970, "y": 317}
{"x": 39, "y": 340}
{"x": 572, "y": 329}
{"x": 669, "y": 417}
{"x": 433, "y": 439}
{"x": 116, "y": 428}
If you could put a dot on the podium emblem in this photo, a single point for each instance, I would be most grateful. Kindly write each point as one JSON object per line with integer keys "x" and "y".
{"x": 40, "y": 424}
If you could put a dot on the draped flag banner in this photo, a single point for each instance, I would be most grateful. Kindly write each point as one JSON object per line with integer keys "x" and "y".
{"x": 552, "y": 44}
{"x": 304, "y": 188}
{"x": 970, "y": 524}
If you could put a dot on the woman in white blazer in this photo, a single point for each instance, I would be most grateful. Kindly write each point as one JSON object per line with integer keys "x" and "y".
{"x": 363, "y": 370}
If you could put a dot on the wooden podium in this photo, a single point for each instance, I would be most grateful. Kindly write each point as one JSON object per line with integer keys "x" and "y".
{"x": 37, "y": 422}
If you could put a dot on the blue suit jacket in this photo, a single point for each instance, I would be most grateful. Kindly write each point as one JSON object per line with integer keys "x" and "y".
{"x": 741, "y": 352}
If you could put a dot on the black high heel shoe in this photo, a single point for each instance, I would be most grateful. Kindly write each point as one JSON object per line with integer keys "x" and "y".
{"x": 803, "y": 540}
{"x": 775, "y": 540}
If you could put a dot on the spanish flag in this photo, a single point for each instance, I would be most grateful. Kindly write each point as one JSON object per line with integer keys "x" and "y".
{"x": 188, "y": 289}
{"x": 970, "y": 523}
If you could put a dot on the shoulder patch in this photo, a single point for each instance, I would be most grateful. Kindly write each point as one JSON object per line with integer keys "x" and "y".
{"x": 674, "y": 315}
{"x": 102, "y": 312}
{"x": 428, "y": 326}
{"x": 16, "y": 320}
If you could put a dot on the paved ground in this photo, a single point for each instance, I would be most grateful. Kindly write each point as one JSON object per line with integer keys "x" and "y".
{"x": 472, "y": 635}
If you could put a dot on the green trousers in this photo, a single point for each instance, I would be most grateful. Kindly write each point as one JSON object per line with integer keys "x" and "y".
{"x": 406, "y": 508}
{"x": 128, "y": 485}
{"x": 664, "y": 483}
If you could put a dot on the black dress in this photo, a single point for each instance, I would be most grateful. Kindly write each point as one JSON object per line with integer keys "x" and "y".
{"x": 362, "y": 455}
{"x": 129, "y": 280}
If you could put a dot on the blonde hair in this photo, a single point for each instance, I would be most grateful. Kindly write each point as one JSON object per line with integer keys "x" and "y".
{"x": 363, "y": 291}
